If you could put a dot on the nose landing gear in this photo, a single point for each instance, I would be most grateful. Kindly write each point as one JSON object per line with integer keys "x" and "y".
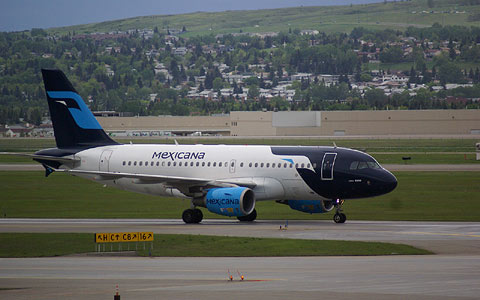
{"x": 339, "y": 216}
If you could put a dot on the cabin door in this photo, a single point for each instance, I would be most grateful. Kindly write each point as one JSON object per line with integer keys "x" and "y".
{"x": 327, "y": 165}
{"x": 104, "y": 160}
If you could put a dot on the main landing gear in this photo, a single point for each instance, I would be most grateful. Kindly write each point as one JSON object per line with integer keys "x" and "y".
{"x": 339, "y": 216}
{"x": 249, "y": 218}
{"x": 192, "y": 215}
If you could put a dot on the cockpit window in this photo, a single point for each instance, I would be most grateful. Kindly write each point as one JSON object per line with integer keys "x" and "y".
{"x": 354, "y": 165}
{"x": 373, "y": 165}
{"x": 359, "y": 165}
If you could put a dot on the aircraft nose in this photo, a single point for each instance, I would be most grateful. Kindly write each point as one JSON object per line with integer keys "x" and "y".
{"x": 390, "y": 182}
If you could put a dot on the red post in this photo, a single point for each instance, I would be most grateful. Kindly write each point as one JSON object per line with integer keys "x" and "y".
{"x": 117, "y": 295}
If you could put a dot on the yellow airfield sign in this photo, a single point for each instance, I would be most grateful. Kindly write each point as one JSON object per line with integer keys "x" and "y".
{"x": 117, "y": 237}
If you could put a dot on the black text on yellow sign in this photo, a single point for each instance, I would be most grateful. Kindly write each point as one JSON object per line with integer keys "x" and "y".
{"x": 117, "y": 237}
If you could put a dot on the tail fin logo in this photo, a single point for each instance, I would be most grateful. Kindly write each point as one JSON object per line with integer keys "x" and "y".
{"x": 77, "y": 108}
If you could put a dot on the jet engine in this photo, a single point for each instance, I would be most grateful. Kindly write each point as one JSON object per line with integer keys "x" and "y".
{"x": 234, "y": 201}
{"x": 309, "y": 206}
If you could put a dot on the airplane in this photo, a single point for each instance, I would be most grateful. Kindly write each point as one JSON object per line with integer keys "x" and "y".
{"x": 225, "y": 179}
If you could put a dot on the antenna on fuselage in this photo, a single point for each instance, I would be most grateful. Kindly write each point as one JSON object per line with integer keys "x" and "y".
{"x": 334, "y": 145}
{"x": 176, "y": 143}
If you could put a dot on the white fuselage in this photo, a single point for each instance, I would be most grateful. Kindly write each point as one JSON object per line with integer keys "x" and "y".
{"x": 275, "y": 176}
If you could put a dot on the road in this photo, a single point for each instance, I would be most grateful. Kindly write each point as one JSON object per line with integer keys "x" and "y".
{"x": 452, "y": 274}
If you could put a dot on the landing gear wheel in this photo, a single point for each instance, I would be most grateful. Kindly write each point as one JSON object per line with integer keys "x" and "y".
{"x": 190, "y": 216}
{"x": 339, "y": 218}
{"x": 248, "y": 218}
{"x": 198, "y": 215}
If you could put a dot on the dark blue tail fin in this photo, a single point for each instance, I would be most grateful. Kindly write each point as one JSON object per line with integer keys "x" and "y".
{"x": 73, "y": 123}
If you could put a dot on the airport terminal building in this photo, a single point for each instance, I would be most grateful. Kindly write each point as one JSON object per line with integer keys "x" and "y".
{"x": 302, "y": 123}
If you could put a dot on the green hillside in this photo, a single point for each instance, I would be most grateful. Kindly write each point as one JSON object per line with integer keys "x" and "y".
{"x": 396, "y": 15}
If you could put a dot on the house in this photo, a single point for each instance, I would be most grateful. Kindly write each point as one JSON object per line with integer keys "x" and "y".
{"x": 15, "y": 131}
{"x": 109, "y": 71}
{"x": 302, "y": 76}
{"x": 181, "y": 51}
{"x": 309, "y": 32}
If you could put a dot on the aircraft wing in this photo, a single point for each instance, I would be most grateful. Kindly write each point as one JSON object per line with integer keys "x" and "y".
{"x": 175, "y": 181}
{"x": 63, "y": 159}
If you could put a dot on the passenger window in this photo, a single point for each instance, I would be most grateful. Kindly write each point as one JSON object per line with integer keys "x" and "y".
{"x": 273, "y": 165}
{"x": 151, "y": 164}
{"x": 180, "y": 164}
{"x": 291, "y": 166}
{"x": 208, "y": 164}
{"x": 135, "y": 163}
{"x": 261, "y": 165}
{"x": 296, "y": 165}
{"x": 146, "y": 163}
{"x": 158, "y": 163}
{"x": 191, "y": 164}
{"x": 226, "y": 164}
{"x": 198, "y": 163}
{"x": 303, "y": 165}
{"x": 140, "y": 163}
{"x": 169, "y": 164}
{"x": 163, "y": 164}
{"x": 241, "y": 165}
{"x": 129, "y": 163}
{"x": 214, "y": 163}
{"x": 256, "y": 165}
{"x": 124, "y": 162}
{"x": 267, "y": 165}
{"x": 308, "y": 166}
{"x": 174, "y": 163}
{"x": 203, "y": 164}
{"x": 220, "y": 164}
{"x": 250, "y": 165}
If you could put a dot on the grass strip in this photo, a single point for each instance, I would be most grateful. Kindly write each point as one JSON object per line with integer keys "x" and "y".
{"x": 420, "y": 196}
{"x": 45, "y": 244}
{"x": 179, "y": 245}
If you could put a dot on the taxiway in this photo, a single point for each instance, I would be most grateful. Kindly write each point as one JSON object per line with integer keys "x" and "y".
{"x": 453, "y": 273}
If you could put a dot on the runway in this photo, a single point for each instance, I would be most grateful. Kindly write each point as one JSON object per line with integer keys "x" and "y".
{"x": 398, "y": 277}
{"x": 452, "y": 274}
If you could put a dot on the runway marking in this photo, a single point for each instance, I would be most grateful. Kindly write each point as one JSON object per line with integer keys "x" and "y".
{"x": 210, "y": 283}
{"x": 442, "y": 234}
{"x": 397, "y": 232}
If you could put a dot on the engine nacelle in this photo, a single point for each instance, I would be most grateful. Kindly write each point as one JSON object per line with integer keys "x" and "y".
{"x": 234, "y": 201}
{"x": 310, "y": 206}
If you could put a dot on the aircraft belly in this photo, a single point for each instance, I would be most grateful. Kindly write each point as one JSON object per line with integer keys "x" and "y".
{"x": 296, "y": 189}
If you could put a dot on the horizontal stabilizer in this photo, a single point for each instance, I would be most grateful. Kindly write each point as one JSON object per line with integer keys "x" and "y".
{"x": 63, "y": 159}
